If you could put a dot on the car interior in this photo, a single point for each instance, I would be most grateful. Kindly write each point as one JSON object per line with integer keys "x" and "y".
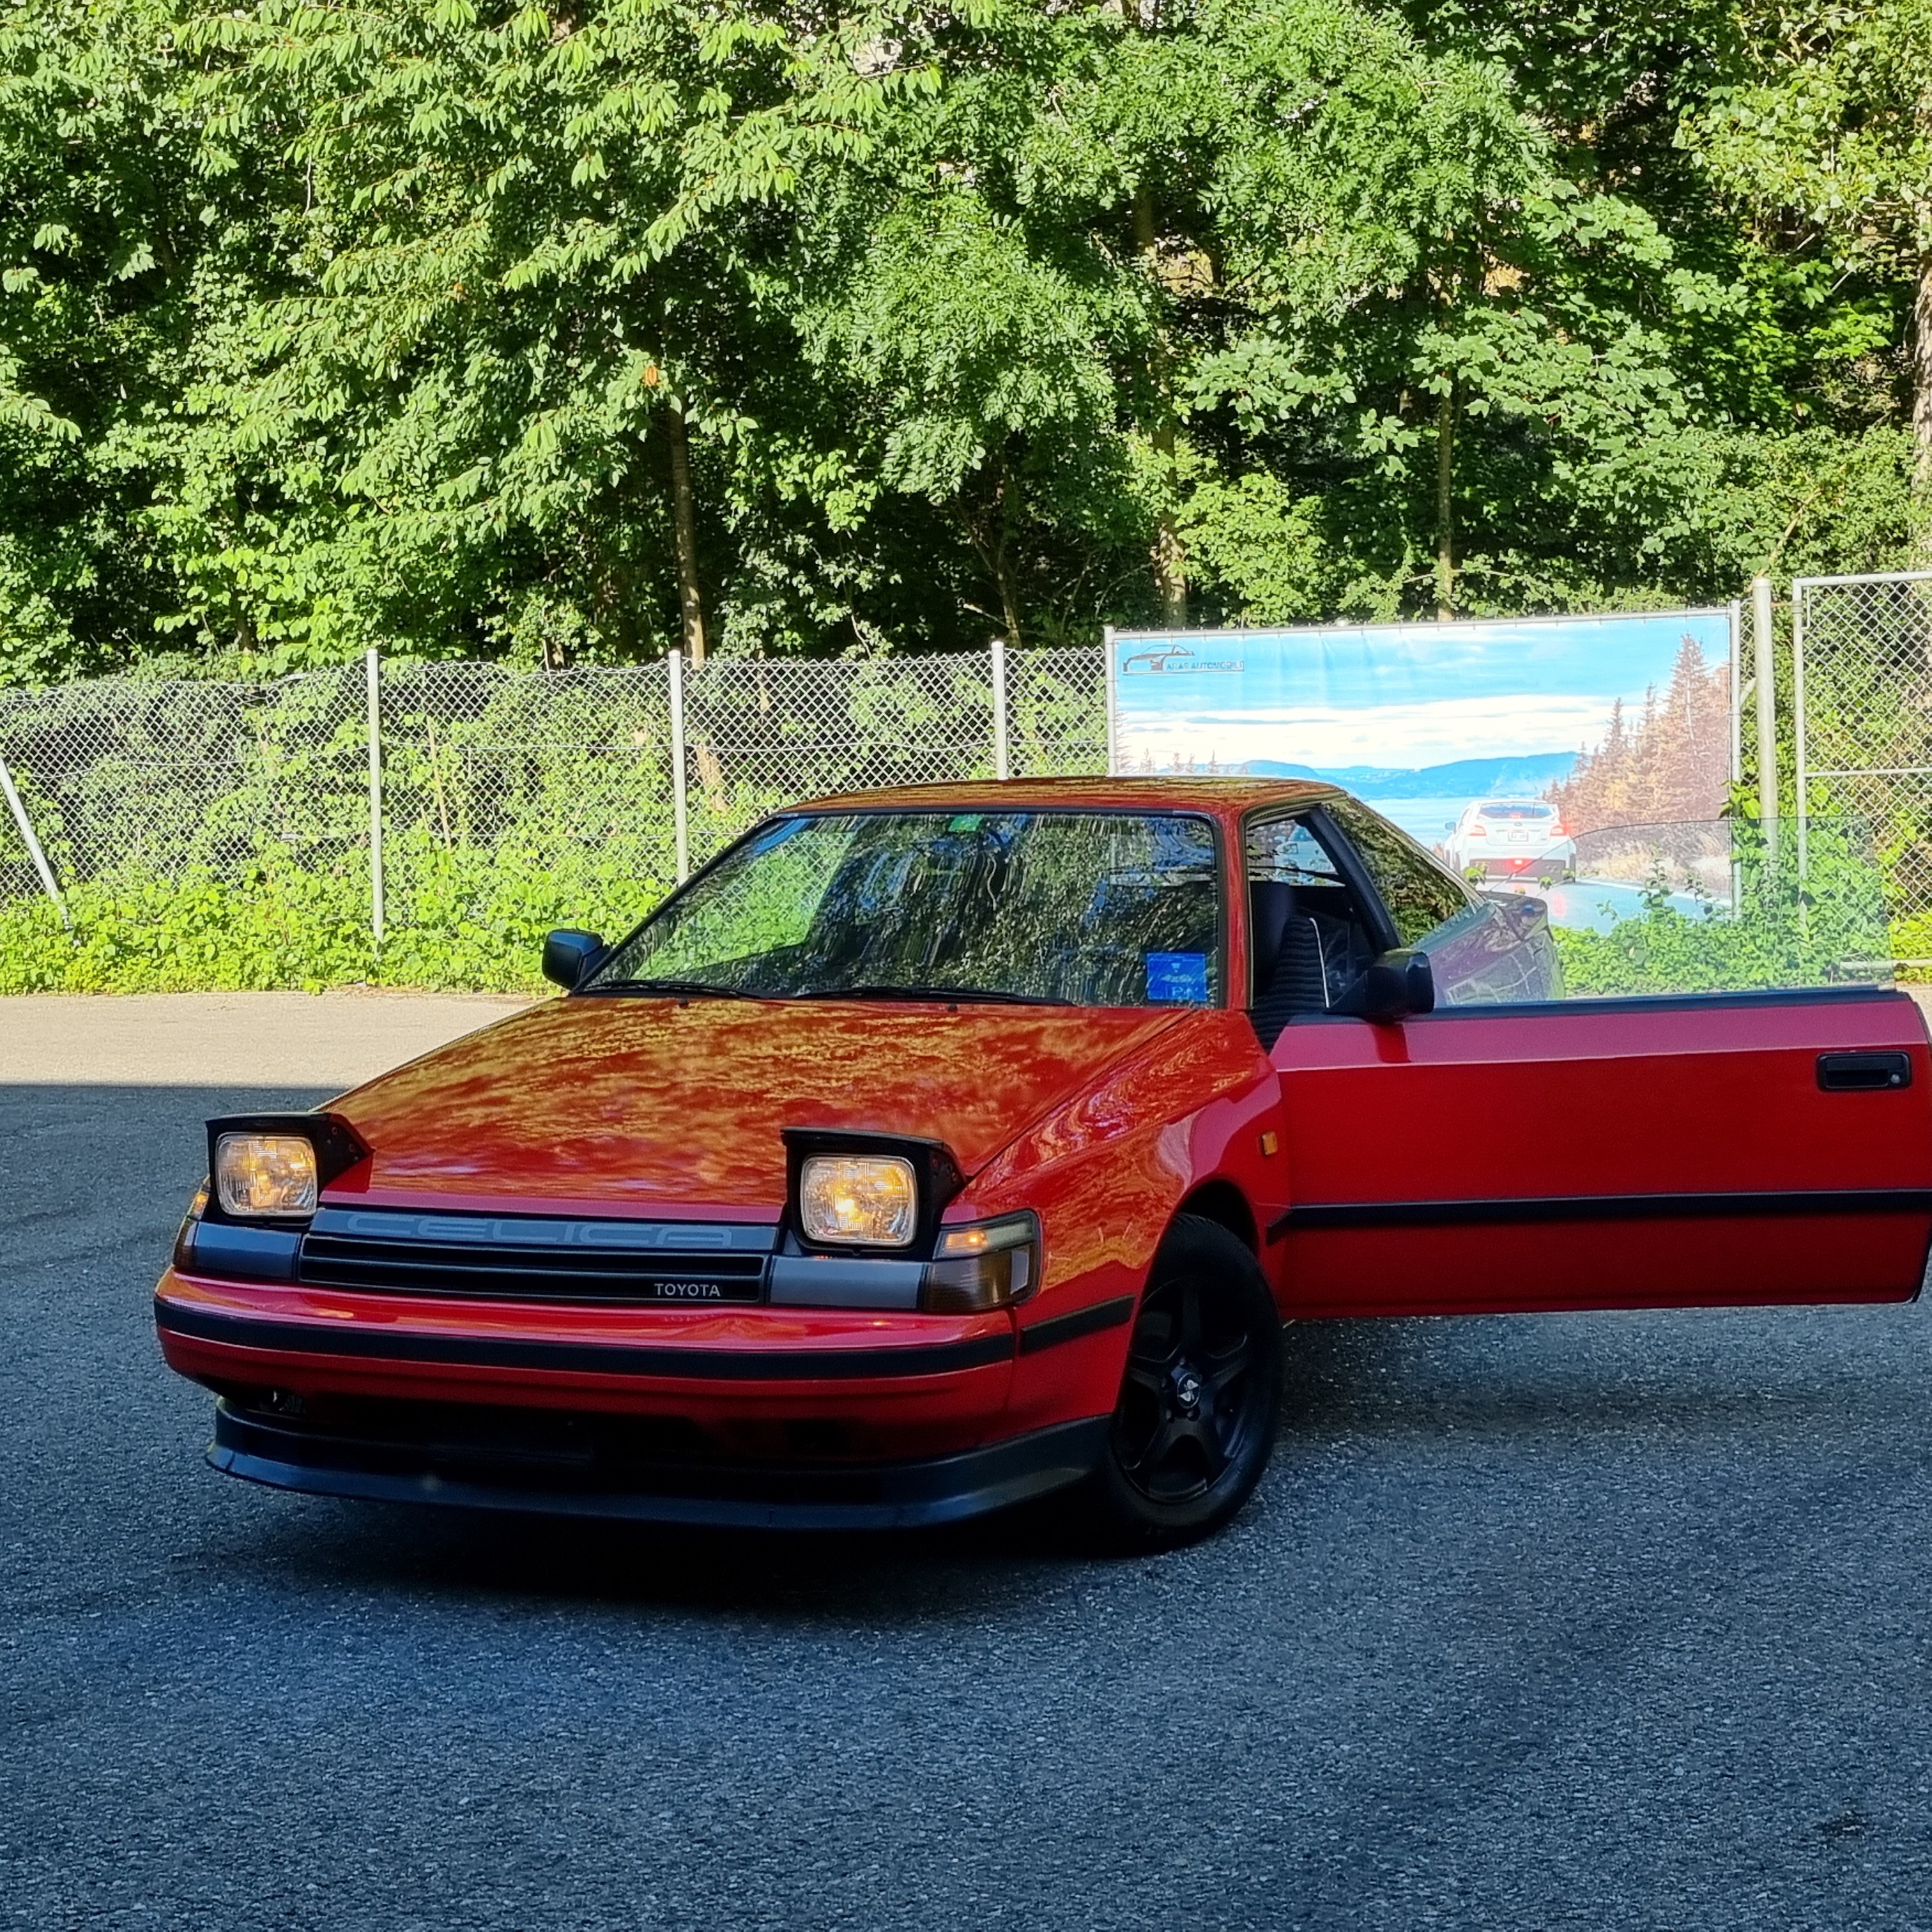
{"x": 1309, "y": 941}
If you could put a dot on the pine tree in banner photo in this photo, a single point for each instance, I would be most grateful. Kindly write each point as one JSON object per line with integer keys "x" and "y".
{"x": 1671, "y": 767}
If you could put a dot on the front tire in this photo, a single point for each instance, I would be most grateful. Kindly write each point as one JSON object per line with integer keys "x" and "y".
{"x": 1200, "y": 1396}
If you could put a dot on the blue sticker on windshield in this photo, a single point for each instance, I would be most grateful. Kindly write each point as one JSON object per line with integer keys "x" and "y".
{"x": 1179, "y": 977}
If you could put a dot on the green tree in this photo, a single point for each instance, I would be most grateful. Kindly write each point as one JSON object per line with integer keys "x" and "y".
{"x": 99, "y": 246}
{"x": 1825, "y": 137}
{"x": 470, "y": 328}
{"x": 540, "y": 260}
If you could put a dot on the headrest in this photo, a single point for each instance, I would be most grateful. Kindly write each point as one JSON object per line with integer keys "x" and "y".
{"x": 1270, "y": 905}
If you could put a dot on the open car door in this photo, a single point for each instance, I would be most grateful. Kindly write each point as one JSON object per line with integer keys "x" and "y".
{"x": 1643, "y": 1152}
{"x": 1627, "y": 1154}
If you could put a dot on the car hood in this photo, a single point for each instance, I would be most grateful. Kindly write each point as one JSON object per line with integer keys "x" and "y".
{"x": 645, "y": 1105}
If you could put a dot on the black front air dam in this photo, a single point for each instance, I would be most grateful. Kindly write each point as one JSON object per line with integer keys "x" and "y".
{"x": 279, "y": 1452}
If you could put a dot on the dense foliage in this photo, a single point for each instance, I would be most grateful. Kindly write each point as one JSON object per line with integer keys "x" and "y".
{"x": 468, "y": 327}
{"x": 476, "y": 923}
{"x": 1819, "y": 921}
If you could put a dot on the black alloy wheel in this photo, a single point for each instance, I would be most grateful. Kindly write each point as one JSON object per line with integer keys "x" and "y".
{"x": 1202, "y": 1394}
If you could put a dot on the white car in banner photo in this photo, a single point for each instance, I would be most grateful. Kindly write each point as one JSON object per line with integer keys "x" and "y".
{"x": 1510, "y": 838}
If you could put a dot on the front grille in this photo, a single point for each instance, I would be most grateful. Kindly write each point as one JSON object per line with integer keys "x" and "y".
{"x": 536, "y": 1258}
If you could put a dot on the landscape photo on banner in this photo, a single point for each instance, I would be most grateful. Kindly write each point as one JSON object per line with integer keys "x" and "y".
{"x": 1581, "y": 725}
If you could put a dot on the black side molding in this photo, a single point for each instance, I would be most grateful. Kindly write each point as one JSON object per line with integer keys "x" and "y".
{"x": 1602, "y": 1207}
{"x": 1058, "y": 1328}
{"x": 1853, "y": 994}
{"x": 600, "y": 1358}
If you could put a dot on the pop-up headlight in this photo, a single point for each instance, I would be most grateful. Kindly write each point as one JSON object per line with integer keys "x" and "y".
{"x": 273, "y": 1167}
{"x": 858, "y": 1200}
{"x": 266, "y": 1176}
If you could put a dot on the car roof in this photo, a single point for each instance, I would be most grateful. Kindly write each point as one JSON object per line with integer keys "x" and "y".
{"x": 1223, "y": 796}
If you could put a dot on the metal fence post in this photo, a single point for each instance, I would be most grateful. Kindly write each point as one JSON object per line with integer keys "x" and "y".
{"x": 33, "y": 844}
{"x": 680, "y": 818}
{"x": 1107, "y": 671}
{"x": 1765, "y": 675}
{"x": 1801, "y": 777}
{"x": 372, "y": 665}
{"x": 1737, "y": 614}
{"x": 1000, "y": 770}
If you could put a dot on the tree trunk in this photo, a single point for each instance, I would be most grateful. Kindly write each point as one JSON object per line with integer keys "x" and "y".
{"x": 1445, "y": 507}
{"x": 690, "y": 593}
{"x": 1009, "y": 594}
{"x": 1169, "y": 555}
{"x": 993, "y": 541}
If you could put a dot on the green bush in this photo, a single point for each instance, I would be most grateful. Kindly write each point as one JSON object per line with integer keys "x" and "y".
{"x": 1821, "y": 925}
{"x": 466, "y": 918}
{"x": 474, "y": 922}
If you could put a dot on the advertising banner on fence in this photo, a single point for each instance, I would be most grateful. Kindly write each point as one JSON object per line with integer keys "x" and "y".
{"x": 1611, "y": 721}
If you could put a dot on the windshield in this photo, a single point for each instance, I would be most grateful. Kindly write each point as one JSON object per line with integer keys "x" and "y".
{"x": 1091, "y": 909}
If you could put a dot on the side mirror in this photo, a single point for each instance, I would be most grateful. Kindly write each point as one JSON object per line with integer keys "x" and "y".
{"x": 568, "y": 956}
{"x": 1394, "y": 987}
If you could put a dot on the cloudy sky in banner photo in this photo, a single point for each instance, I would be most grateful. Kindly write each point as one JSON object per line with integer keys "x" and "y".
{"x": 1399, "y": 695}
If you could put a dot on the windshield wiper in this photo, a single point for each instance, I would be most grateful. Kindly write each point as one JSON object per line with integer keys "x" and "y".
{"x": 682, "y": 989}
{"x": 949, "y": 995}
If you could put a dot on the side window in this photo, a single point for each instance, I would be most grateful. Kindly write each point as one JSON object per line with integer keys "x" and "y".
{"x": 1419, "y": 893}
{"x": 1285, "y": 849}
{"x": 1308, "y": 940}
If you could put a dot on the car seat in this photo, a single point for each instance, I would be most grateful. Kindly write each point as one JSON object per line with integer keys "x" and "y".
{"x": 1302, "y": 960}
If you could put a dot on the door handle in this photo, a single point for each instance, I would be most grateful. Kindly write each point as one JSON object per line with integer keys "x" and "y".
{"x": 1863, "y": 1072}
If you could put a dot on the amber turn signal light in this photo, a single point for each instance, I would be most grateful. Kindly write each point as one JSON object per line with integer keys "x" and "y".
{"x": 984, "y": 1265}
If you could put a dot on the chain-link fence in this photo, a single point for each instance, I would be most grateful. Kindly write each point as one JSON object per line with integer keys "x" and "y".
{"x": 123, "y": 774}
{"x": 582, "y": 778}
{"x": 602, "y": 786}
{"x": 1861, "y": 663}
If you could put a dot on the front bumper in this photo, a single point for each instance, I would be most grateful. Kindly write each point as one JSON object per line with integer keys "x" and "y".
{"x": 875, "y": 1387}
{"x": 560, "y": 1463}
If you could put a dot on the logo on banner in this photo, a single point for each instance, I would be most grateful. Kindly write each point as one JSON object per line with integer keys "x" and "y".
{"x": 1174, "y": 659}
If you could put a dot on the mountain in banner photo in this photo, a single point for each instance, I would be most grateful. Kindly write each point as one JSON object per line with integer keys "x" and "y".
{"x": 1524, "y": 777}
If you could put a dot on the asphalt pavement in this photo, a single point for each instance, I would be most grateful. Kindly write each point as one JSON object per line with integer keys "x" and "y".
{"x": 1606, "y": 1621}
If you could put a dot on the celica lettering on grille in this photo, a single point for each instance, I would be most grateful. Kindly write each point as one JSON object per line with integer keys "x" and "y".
{"x": 536, "y": 1258}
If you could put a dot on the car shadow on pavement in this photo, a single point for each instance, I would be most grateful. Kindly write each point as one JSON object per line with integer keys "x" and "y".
{"x": 1701, "y": 1374}
{"x": 1516, "y": 1381}
{"x": 962, "y": 1570}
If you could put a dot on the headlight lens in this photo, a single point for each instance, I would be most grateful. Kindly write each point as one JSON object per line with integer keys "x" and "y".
{"x": 859, "y": 1200}
{"x": 984, "y": 1265}
{"x": 265, "y": 1176}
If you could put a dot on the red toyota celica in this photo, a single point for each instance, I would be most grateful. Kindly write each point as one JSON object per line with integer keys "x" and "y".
{"x": 937, "y": 1148}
